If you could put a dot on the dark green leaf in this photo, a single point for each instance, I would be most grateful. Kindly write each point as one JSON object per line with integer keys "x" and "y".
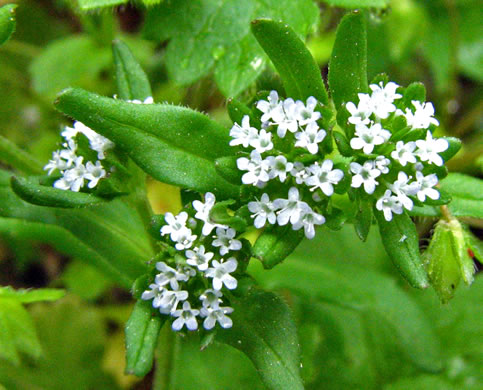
{"x": 275, "y": 244}
{"x": 237, "y": 110}
{"x": 7, "y": 22}
{"x": 142, "y": 331}
{"x": 342, "y": 144}
{"x": 299, "y": 72}
{"x": 363, "y": 220}
{"x": 17, "y": 158}
{"x": 401, "y": 241}
{"x": 32, "y": 192}
{"x": 228, "y": 169}
{"x": 414, "y": 91}
{"x": 454, "y": 147}
{"x": 263, "y": 329}
{"x": 219, "y": 214}
{"x": 132, "y": 82}
{"x": 348, "y": 63}
{"x": 173, "y": 144}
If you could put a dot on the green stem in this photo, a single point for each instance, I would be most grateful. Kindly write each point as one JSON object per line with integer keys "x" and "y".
{"x": 168, "y": 348}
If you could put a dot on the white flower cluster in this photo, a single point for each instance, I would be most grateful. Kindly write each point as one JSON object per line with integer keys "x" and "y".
{"x": 206, "y": 256}
{"x": 265, "y": 163}
{"x": 71, "y": 166}
{"x": 367, "y": 117}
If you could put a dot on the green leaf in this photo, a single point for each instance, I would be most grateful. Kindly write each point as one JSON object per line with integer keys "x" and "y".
{"x": 7, "y": 22}
{"x": 401, "y": 241}
{"x": 51, "y": 72}
{"x": 32, "y": 192}
{"x": 299, "y": 72}
{"x": 173, "y": 144}
{"x": 237, "y": 110}
{"x": 454, "y": 147}
{"x": 84, "y": 280}
{"x": 142, "y": 331}
{"x": 275, "y": 244}
{"x": 358, "y": 3}
{"x": 263, "y": 329}
{"x": 342, "y": 144}
{"x": 17, "y": 158}
{"x": 132, "y": 82}
{"x": 87, "y": 5}
{"x": 348, "y": 63}
{"x": 32, "y": 295}
{"x": 363, "y": 221}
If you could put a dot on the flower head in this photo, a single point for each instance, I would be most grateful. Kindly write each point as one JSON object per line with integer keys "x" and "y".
{"x": 324, "y": 177}
{"x": 244, "y": 134}
{"x": 225, "y": 239}
{"x": 199, "y": 258}
{"x": 366, "y": 175}
{"x": 263, "y": 210}
{"x": 220, "y": 272}
{"x": 185, "y": 316}
{"x": 429, "y": 148}
{"x": 310, "y": 137}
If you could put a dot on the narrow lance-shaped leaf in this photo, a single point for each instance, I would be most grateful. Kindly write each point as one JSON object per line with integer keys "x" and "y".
{"x": 264, "y": 330}
{"x": 142, "y": 331}
{"x": 401, "y": 241}
{"x": 297, "y": 68}
{"x": 132, "y": 82}
{"x": 175, "y": 145}
{"x": 32, "y": 192}
{"x": 348, "y": 63}
{"x": 7, "y": 22}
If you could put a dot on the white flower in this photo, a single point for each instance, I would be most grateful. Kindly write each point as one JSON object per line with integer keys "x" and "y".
{"x": 190, "y": 272}
{"x": 175, "y": 224}
{"x": 423, "y": 117}
{"x": 203, "y": 213}
{"x": 308, "y": 220}
{"x": 299, "y": 172}
{"x": 69, "y": 133}
{"x": 170, "y": 299}
{"x": 324, "y": 177}
{"x": 57, "y": 162}
{"x": 368, "y": 137}
{"x": 278, "y": 167}
{"x": 257, "y": 169}
{"x": 263, "y": 210}
{"x": 186, "y": 316}
{"x": 148, "y": 100}
{"x": 361, "y": 113}
{"x": 365, "y": 174}
{"x": 73, "y": 178}
{"x": 310, "y": 137}
{"x": 389, "y": 204}
{"x": 262, "y": 141}
{"x": 216, "y": 314}
{"x": 269, "y": 107}
{"x": 156, "y": 292}
{"x": 169, "y": 276}
{"x": 69, "y": 154}
{"x": 94, "y": 173}
{"x": 305, "y": 114}
{"x": 291, "y": 209}
{"x": 382, "y": 98}
{"x": 402, "y": 188}
{"x": 184, "y": 239}
{"x": 382, "y": 164}
{"x": 97, "y": 142}
{"x": 429, "y": 148}
{"x": 426, "y": 184}
{"x": 404, "y": 153}
{"x": 211, "y": 298}
{"x": 286, "y": 118}
{"x": 198, "y": 258}
{"x": 225, "y": 239}
{"x": 244, "y": 134}
{"x": 220, "y": 272}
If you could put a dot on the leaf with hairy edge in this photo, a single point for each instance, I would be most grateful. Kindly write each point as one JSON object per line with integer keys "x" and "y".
{"x": 7, "y": 22}
{"x": 348, "y": 63}
{"x": 264, "y": 330}
{"x": 175, "y": 145}
{"x": 299, "y": 72}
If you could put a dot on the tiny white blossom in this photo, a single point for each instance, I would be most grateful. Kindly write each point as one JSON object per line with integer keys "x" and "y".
{"x": 170, "y": 299}
{"x": 69, "y": 133}
{"x": 365, "y": 175}
{"x": 262, "y": 141}
{"x": 225, "y": 239}
{"x": 156, "y": 293}
{"x": 69, "y": 154}
{"x": 366, "y": 138}
{"x": 278, "y": 167}
{"x": 310, "y": 137}
{"x": 429, "y": 148}
{"x": 257, "y": 169}
{"x": 383, "y": 97}
{"x": 299, "y": 172}
{"x": 305, "y": 114}
{"x": 97, "y": 142}
{"x": 184, "y": 239}
{"x": 73, "y": 178}
{"x": 404, "y": 153}
{"x": 263, "y": 210}
{"x": 175, "y": 224}
{"x": 213, "y": 315}
{"x": 211, "y": 298}
{"x": 426, "y": 184}
{"x": 402, "y": 188}
{"x": 324, "y": 177}
{"x": 269, "y": 106}
{"x": 94, "y": 173}
{"x": 220, "y": 272}
{"x": 186, "y": 316}
{"x": 57, "y": 162}
{"x": 422, "y": 118}
{"x": 307, "y": 221}
{"x": 291, "y": 209}
{"x": 286, "y": 118}
{"x": 389, "y": 204}
{"x": 203, "y": 213}
{"x": 382, "y": 163}
{"x": 169, "y": 276}
{"x": 361, "y": 113}
{"x": 148, "y": 100}
{"x": 244, "y": 134}
{"x": 199, "y": 258}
